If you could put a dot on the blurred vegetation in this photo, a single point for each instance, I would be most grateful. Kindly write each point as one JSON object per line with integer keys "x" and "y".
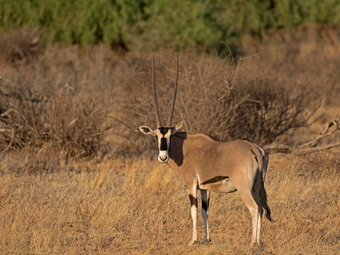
{"x": 88, "y": 101}
{"x": 55, "y": 96}
{"x": 154, "y": 24}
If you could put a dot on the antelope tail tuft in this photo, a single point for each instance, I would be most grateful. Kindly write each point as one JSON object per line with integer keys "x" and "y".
{"x": 263, "y": 201}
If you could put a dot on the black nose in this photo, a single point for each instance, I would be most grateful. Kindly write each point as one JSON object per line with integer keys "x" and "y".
{"x": 163, "y": 158}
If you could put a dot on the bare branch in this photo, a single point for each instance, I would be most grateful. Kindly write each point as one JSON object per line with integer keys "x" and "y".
{"x": 323, "y": 134}
{"x": 282, "y": 148}
{"x": 311, "y": 150}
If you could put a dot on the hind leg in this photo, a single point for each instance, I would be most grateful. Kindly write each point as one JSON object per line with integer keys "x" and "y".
{"x": 256, "y": 196}
{"x": 255, "y": 211}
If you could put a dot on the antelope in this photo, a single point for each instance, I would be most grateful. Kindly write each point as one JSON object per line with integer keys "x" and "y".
{"x": 211, "y": 166}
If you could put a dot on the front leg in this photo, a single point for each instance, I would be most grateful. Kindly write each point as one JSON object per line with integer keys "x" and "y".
{"x": 193, "y": 203}
{"x": 205, "y": 196}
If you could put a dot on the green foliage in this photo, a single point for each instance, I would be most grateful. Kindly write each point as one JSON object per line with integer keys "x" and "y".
{"x": 242, "y": 16}
{"x": 176, "y": 23}
{"x": 81, "y": 21}
{"x": 290, "y": 13}
{"x": 152, "y": 24}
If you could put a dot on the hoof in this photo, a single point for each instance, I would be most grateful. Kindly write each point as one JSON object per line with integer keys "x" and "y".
{"x": 193, "y": 242}
{"x": 206, "y": 241}
{"x": 255, "y": 244}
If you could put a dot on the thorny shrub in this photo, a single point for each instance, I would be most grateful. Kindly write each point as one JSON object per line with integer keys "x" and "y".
{"x": 29, "y": 118}
{"x": 57, "y": 99}
{"x": 222, "y": 100}
{"x": 86, "y": 101}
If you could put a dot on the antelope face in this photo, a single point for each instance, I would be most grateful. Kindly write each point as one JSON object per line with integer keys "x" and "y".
{"x": 163, "y": 135}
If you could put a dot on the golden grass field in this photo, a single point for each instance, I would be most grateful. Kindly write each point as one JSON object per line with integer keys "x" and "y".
{"x": 73, "y": 181}
{"x": 139, "y": 206}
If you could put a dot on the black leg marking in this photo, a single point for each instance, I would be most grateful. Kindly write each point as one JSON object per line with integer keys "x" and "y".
{"x": 205, "y": 196}
{"x": 193, "y": 200}
{"x": 205, "y": 205}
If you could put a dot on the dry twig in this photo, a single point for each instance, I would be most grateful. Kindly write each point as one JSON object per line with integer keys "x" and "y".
{"x": 311, "y": 145}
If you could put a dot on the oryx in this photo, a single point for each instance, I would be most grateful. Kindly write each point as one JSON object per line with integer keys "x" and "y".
{"x": 209, "y": 165}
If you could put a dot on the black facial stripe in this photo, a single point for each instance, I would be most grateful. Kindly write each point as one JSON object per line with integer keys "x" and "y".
{"x": 163, "y": 130}
{"x": 163, "y": 146}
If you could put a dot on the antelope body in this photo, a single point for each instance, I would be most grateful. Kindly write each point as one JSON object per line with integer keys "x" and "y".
{"x": 208, "y": 165}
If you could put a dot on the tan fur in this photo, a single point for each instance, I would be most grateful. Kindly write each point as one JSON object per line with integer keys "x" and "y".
{"x": 198, "y": 157}
{"x": 224, "y": 167}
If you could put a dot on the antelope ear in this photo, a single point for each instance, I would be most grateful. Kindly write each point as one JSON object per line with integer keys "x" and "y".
{"x": 177, "y": 127}
{"x": 146, "y": 130}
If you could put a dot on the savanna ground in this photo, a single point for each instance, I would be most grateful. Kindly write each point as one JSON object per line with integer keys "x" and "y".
{"x": 77, "y": 178}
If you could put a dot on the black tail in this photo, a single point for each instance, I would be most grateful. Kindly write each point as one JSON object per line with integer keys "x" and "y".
{"x": 263, "y": 201}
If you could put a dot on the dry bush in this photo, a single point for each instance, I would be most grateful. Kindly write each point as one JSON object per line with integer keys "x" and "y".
{"x": 59, "y": 102}
{"x": 36, "y": 120}
{"x": 223, "y": 100}
{"x": 69, "y": 101}
{"x": 260, "y": 97}
{"x": 20, "y": 46}
{"x": 309, "y": 52}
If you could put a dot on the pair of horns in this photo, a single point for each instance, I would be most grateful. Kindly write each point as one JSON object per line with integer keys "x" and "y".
{"x": 158, "y": 119}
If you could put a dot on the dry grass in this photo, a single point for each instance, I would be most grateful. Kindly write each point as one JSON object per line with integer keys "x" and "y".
{"x": 57, "y": 198}
{"x": 140, "y": 207}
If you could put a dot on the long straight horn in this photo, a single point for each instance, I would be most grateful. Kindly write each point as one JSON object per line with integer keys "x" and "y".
{"x": 168, "y": 123}
{"x": 158, "y": 119}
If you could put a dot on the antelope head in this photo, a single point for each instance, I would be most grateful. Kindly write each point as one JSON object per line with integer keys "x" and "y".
{"x": 162, "y": 133}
